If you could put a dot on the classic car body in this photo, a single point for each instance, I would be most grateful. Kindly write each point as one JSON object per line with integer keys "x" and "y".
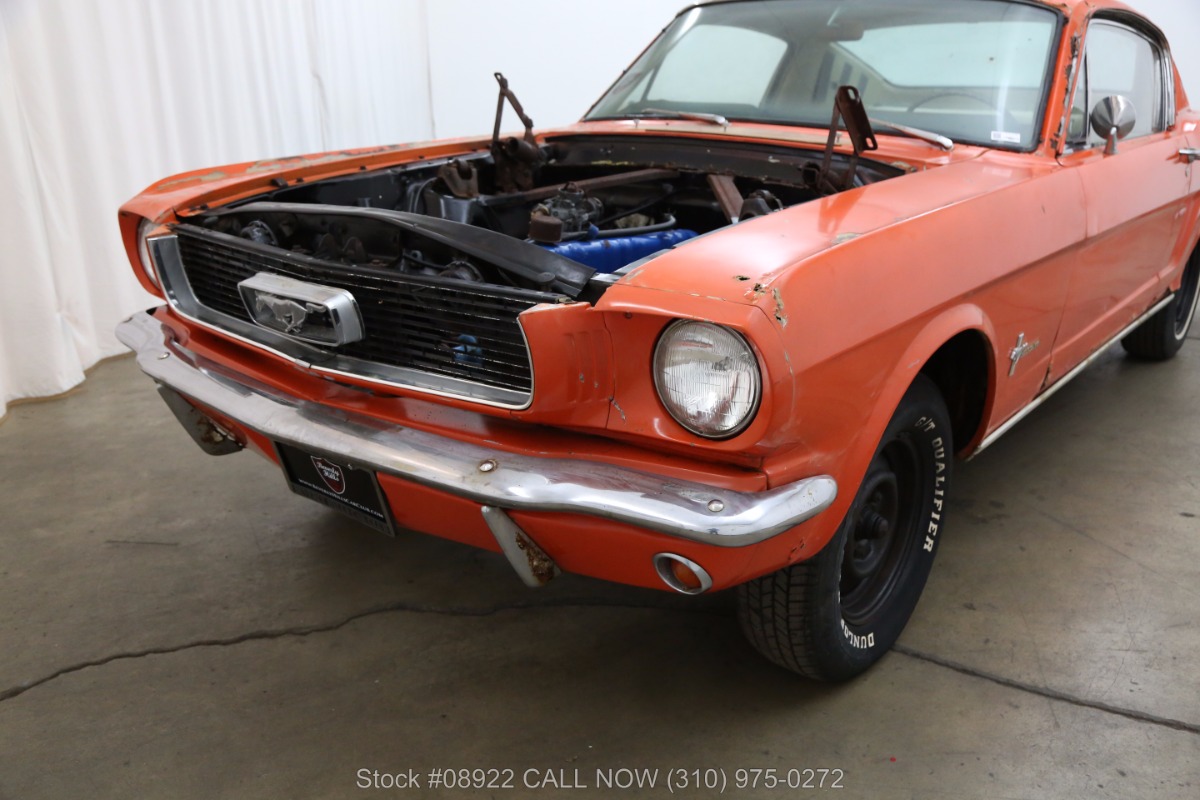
{"x": 473, "y": 331}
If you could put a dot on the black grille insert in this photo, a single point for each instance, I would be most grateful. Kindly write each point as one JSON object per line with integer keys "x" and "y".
{"x": 443, "y": 327}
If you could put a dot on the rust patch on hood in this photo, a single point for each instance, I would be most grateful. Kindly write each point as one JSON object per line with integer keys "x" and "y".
{"x": 216, "y": 175}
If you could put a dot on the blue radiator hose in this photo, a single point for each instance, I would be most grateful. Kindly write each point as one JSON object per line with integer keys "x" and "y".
{"x": 609, "y": 255}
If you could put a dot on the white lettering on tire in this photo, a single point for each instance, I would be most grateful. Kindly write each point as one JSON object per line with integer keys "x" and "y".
{"x": 856, "y": 641}
{"x": 939, "y": 493}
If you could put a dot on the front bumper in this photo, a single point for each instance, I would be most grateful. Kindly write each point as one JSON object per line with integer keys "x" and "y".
{"x": 488, "y": 476}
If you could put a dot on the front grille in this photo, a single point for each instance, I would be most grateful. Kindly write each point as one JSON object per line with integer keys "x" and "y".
{"x": 441, "y": 327}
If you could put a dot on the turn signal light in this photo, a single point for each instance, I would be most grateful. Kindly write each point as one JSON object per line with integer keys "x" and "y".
{"x": 682, "y": 574}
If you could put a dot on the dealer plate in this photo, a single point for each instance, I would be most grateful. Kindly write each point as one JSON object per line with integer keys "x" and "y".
{"x": 337, "y": 484}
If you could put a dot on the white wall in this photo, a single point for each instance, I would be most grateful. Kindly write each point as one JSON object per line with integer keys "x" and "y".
{"x": 1180, "y": 20}
{"x": 99, "y": 99}
{"x": 559, "y": 57}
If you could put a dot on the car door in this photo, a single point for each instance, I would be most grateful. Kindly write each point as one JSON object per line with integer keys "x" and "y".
{"x": 1136, "y": 197}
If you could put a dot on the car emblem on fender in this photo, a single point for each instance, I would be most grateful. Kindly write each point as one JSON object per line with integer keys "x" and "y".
{"x": 308, "y": 312}
{"x": 1022, "y": 349}
{"x": 331, "y": 474}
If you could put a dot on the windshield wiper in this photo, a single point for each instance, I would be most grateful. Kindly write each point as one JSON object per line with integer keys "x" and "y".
{"x": 696, "y": 116}
{"x": 943, "y": 142}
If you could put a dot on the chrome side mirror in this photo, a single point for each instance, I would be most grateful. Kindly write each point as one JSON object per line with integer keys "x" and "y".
{"x": 1113, "y": 119}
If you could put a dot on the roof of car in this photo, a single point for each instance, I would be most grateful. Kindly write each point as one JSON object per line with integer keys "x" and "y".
{"x": 1062, "y": 5}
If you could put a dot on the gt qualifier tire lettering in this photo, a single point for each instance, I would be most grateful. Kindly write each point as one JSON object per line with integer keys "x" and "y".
{"x": 834, "y": 615}
{"x": 939, "y": 493}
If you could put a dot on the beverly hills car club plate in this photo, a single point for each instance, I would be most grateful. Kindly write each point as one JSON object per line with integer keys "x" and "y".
{"x": 337, "y": 484}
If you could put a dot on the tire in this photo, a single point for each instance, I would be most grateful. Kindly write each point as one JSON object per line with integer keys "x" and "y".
{"x": 833, "y": 616}
{"x": 1161, "y": 336}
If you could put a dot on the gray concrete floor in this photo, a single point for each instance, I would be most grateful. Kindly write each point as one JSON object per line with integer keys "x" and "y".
{"x": 173, "y": 625}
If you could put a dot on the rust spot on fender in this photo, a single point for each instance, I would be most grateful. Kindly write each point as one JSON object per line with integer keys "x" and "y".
{"x": 617, "y": 406}
{"x": 780, "y": 311}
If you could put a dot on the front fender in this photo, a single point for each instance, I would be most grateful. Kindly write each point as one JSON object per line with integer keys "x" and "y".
{"x": 964, "y": 318}
{"x": 846, "y": 407}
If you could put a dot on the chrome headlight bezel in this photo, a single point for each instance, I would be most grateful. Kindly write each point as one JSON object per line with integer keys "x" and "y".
{"x": 669, "y": 339}
{"x": 145, "y": 228}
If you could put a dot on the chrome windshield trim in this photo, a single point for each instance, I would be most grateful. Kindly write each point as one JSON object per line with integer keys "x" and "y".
{"x": 694, "y": 116}
{"x": 484, "y": 475}
{"x": 944, "y": 142}
{"x": 164, "y": 252}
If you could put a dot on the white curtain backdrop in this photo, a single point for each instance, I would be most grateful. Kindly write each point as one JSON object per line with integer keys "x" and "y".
{"x": 99, "y": 98}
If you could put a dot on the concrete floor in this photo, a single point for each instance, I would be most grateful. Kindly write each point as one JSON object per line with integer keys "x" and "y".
{"x": 174, "y": 625}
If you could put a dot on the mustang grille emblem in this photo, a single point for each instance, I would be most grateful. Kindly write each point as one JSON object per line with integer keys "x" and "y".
{"x": 289, "y": 314}
{"x": 309, "y": 312}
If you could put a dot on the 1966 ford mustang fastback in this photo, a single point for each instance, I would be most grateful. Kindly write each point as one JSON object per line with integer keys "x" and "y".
{"x": 732, "y": 329}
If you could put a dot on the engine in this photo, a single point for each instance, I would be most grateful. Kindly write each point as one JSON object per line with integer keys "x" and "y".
{"x": 576, "y": 208}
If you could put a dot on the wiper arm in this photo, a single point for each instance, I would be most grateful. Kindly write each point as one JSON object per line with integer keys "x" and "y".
{"x": 696, "y": 116}
{"x": 943, "y": 142}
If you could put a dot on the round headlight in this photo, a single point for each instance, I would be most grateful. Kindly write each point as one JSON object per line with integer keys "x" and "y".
{"x": 707, "y": 377}
{"x": 144, "y": 230}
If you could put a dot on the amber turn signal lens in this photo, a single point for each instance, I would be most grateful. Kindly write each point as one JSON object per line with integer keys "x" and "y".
{"x": 685, "y": 576}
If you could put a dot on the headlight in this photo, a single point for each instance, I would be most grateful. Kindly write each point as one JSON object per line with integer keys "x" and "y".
{"x": 144, "y": 230}
{"x": 707, "y": 377}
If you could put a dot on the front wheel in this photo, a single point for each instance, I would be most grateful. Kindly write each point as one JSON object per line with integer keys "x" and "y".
{"x": 1161, "y": 336}
{"x": 833, "y": 616}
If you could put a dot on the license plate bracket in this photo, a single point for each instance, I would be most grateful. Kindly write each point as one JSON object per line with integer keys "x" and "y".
{"x": 337, "y": 483}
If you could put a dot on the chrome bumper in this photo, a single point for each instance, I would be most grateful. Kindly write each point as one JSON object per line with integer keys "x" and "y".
{"x": 490, "y": 477}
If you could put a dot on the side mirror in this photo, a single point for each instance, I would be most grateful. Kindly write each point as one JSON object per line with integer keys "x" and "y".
{"x": 1113, "y": 119}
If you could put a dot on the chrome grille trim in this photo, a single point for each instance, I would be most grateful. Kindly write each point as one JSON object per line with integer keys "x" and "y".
{"x": 503, "y": 378}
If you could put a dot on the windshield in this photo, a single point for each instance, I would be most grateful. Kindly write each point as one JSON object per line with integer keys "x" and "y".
{"x": 975, "y": 72}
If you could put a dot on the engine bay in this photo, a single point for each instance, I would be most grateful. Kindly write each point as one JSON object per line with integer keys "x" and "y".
{"x": 565, "y": 215}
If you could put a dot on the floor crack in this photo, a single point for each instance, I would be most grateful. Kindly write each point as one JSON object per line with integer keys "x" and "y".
{"x": 1050, "y": 694}
{"x": 308, "y": 630}
{"x": 487, "y": 611}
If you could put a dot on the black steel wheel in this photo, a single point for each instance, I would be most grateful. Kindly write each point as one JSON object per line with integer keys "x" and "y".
{"x": 833, "y": 616}
{"x": 1162, "y": 336}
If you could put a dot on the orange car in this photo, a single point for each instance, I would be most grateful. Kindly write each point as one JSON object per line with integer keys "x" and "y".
{"x": 707, "y": 337}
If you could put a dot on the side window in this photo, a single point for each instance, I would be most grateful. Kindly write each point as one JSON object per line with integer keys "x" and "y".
{"x": 1119, "y": 61}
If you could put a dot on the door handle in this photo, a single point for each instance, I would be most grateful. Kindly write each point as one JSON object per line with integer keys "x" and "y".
{"x": 1190, "y": 155}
